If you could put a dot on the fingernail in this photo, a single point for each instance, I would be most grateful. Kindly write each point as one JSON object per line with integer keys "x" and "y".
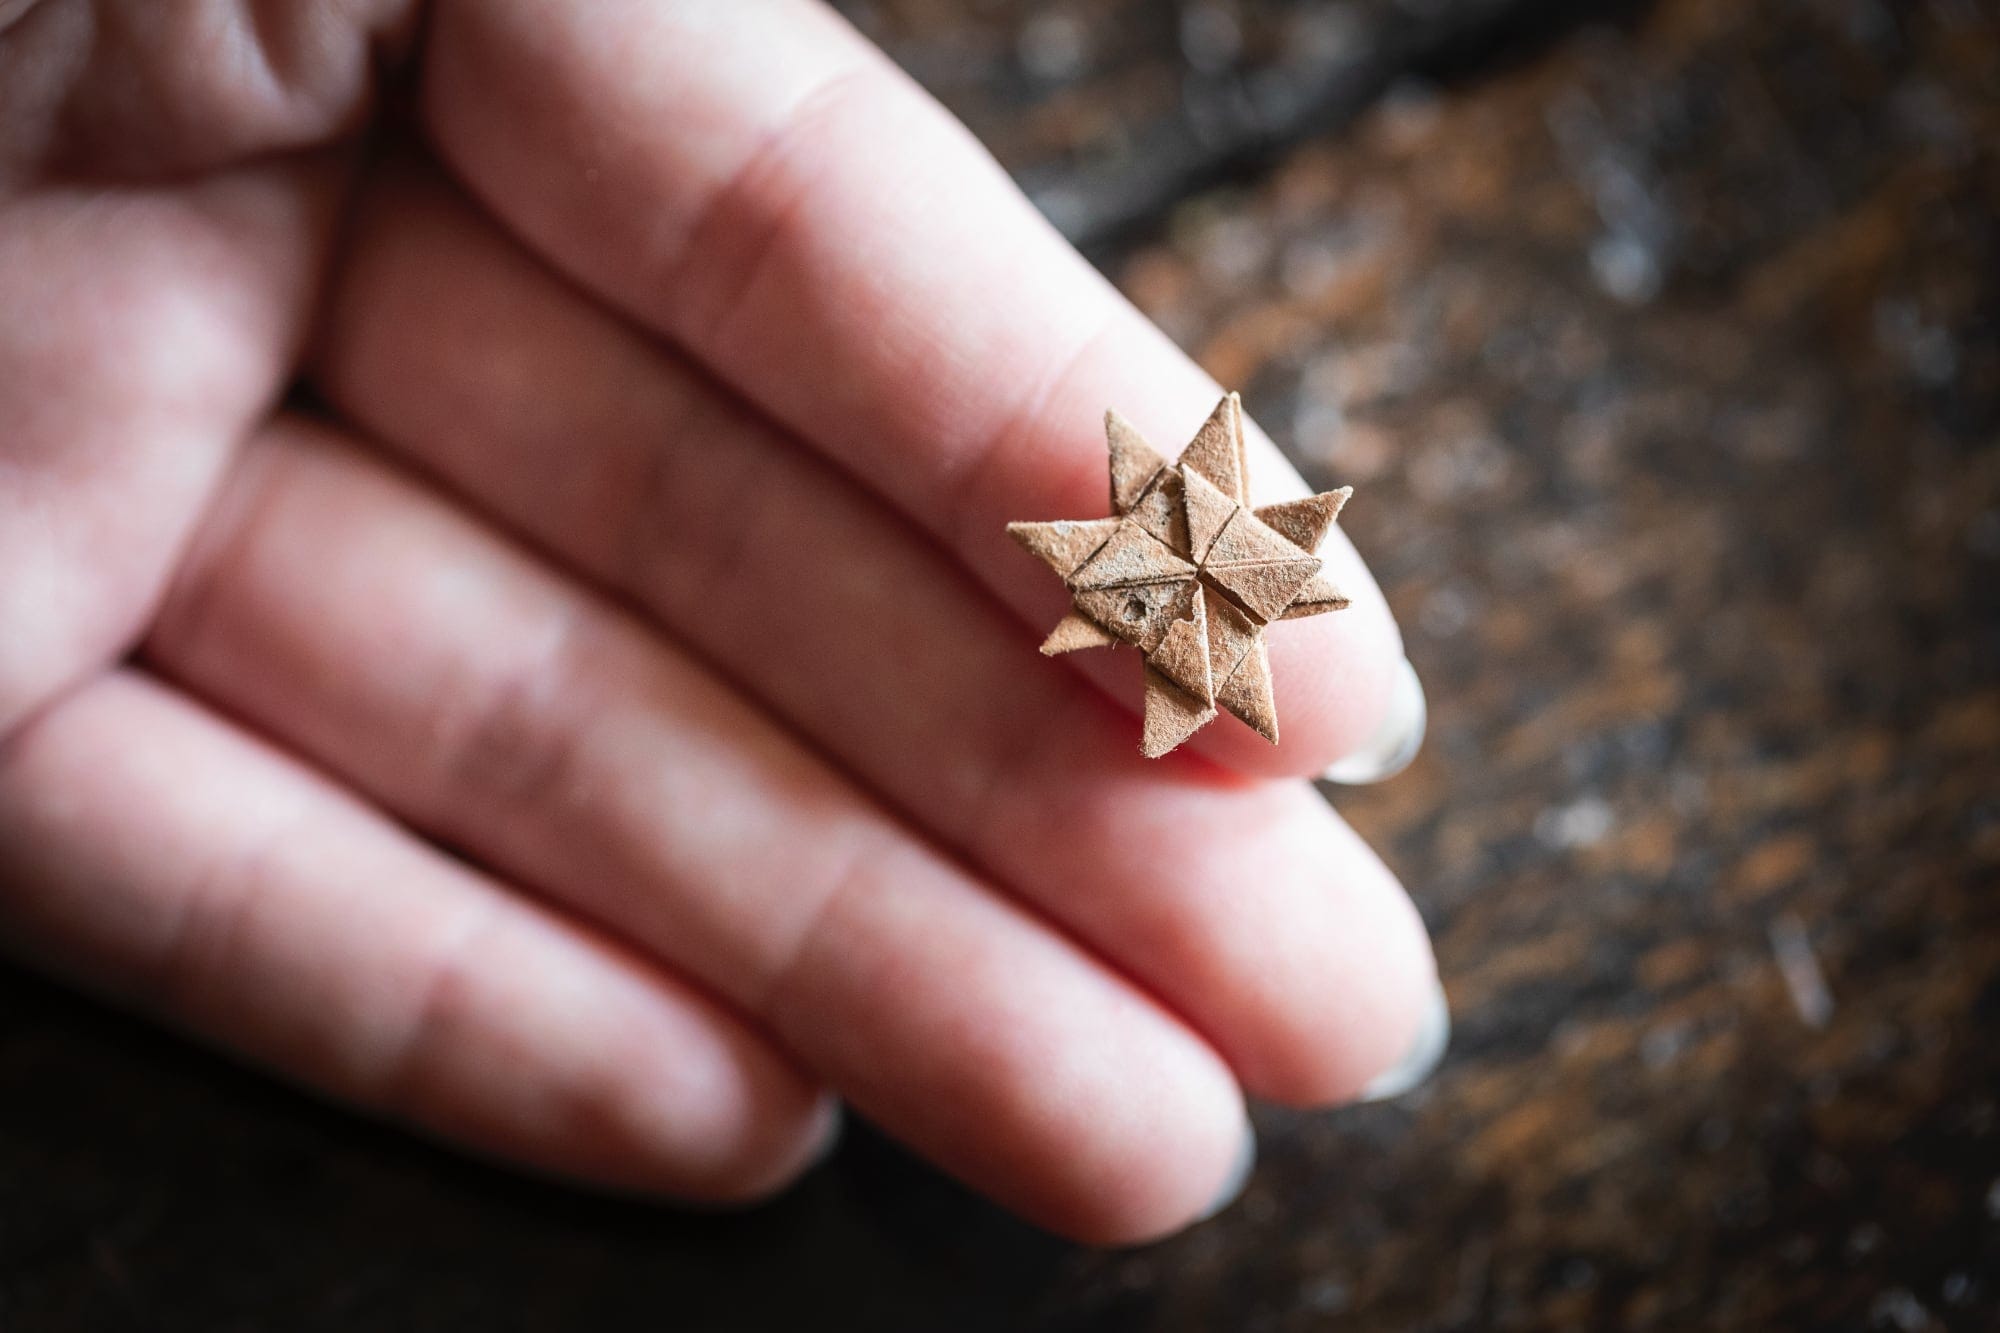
{"x": 1421, "y": 1061}
{"x": 1396, "y": 742}
{"x": 829, "y": 1134}
{"x": 1238, "y": 1177}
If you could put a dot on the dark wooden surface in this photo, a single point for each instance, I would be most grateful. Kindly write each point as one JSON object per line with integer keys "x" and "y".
{"x": 1666, "y": 360}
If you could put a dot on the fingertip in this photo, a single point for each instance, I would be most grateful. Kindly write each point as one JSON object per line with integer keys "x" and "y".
{"x": 1229, "y": 1180}
{"x": 1175, "y": 1183}
{"x": 1398, "y": 736}
{"x": 1237, "y": 1178}
{"x": 1345, "y": 995}
{"x": 1421, "y": 1057}
{"x": 600, "y": 1070}
{"x": 1380, "y": 1034}
{"x": 719, "y": 1117}
{"x": 804, "y": 1144}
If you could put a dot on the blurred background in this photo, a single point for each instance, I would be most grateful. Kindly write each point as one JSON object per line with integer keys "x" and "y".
{"x": 1662, "y": 344}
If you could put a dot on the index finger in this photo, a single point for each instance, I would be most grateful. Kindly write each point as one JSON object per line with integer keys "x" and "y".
{"x": 758, "y": 183}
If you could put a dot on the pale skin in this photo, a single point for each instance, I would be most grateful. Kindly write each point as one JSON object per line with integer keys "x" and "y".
{"x": 604, "y": 728}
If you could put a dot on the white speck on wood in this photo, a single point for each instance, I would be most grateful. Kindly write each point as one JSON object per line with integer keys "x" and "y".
{"x": 1800, "y": 968}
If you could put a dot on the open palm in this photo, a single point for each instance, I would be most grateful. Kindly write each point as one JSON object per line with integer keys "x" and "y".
{"x": 506, "y": 613}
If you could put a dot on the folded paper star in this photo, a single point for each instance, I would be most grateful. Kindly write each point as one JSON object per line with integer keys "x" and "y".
{"x": 1186, "y": 572}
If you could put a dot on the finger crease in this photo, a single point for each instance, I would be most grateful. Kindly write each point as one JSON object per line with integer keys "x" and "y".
{"x": 215, "y": 910}
{"x": 852, "y": 873}
{"x": 400, "y": 1081}
{"x": 510, "y": 748}
{"x": 770, "y": 155}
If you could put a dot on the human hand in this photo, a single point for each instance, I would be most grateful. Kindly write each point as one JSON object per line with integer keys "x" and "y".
{"x": 607, "y": 729}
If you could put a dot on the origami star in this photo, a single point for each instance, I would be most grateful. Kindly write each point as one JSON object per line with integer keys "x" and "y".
{"x": 1186, "y": 572}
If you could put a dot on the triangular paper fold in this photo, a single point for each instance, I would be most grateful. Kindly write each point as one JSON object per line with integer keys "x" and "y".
{"x": 1162, "y": 511}
{"x": 1247, "y": 693}
{"x": 1132, "y": 555}
{"x": 1319, "y": 594}
{"x": 1075, "y": 631}
{"x": 1172, "y": 715}
{"x": 1208, "y": 512}
{"x": 1134, "y": 463}
{"x": 1065, "y": 544}
{"x": 1305, "y": 522}
{"x": 1231, "y": 633}
{"x": 1217, "y": 449}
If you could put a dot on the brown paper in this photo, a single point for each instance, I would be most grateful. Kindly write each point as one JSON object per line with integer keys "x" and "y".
{"x": 1186, "y": 572}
